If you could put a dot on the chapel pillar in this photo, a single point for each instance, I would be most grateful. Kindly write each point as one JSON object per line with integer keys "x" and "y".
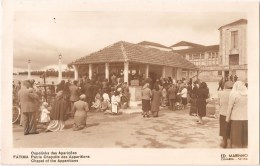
{"x": 126, "y": 68}
{"x": 163, "y": 72}
{"x": 90, "y": 71}
{"x": 147, "y": 71}
{"x": 76, "y": 72}
{"x": 107, "y": 71}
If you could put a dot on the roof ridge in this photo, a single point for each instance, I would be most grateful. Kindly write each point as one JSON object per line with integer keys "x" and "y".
{"x": 188, "y": 43}
{"x": 123, "y": 51}
{"x": 237, "y": 22}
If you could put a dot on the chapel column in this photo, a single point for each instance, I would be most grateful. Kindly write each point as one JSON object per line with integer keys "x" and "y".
{"x": 163, "y": 72}
{"x": 107, "y": 70}
{"x": 90, "y": 71}
{"x": 179, "y": 74}
{"x": 126, "y": 67}
{"x": 147, "y": 71}
{"x": 76, "y": 72}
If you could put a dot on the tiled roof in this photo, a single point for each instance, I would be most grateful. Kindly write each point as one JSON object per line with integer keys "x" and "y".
{"x": 238, "y": 22}
{"x": 185, "y": 43}
{"x": 147, "y": 43}
{"x": 213, "y": 48}
{"x": 124, "y": 51}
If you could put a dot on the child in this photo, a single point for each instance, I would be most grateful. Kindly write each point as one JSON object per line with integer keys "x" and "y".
{"x": 97, "y": 104}
{"x": 184, "y": 96}
{"x": 45, "y": 117}
{"x": 115, "y": 99}
{"x": 106, "y": 102}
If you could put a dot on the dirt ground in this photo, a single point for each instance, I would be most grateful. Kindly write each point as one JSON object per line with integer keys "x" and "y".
{"x": 172, "y": 129}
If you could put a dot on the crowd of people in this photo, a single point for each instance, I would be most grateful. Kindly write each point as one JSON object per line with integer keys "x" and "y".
{"x": 176, "y": 95}
{"x": 75, "y": 99}
{"x": 72, "y": 99}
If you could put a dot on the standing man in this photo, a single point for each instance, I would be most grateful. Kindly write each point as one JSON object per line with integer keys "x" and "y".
{"x": 221, "y": 84}
{"x": 172, "y": 96}
{"x": 74, "y": 95}
{"x": 27, "y": 100}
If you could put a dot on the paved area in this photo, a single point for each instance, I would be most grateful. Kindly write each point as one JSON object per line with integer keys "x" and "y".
{"x": 170, "y": 130}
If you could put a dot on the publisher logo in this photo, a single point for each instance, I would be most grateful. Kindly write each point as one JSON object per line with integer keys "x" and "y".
{"x": 234, "y": 156}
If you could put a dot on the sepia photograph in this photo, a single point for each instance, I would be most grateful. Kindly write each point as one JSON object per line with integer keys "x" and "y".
{"x": 130, "y": 80}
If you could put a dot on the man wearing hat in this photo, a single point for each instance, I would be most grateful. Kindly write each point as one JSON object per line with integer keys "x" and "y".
{"x": 27, "y": 97}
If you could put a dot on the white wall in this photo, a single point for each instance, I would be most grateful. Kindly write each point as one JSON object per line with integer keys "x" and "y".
{"x": 181, "y": 47}
{"x": 225, "y": 44}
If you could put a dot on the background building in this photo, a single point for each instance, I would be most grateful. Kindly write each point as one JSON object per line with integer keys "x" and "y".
{"x": 148, "y": 44}
{"x": 206, "y": 58}
{"x": 233, "y": 49}
{"x": 229, "y": 58}
{"x": 184, "y": 45}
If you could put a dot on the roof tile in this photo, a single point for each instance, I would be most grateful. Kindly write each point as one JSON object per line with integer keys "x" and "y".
{"x": 122, "y": 51}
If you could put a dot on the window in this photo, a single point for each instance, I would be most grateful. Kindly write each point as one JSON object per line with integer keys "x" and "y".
{"x": 234, "y": 39}
{"x": 234, "y": 59}
{"x": 196, "y": 56}
{"x": 219, "y": 73}
{"x": 196, "y": 59}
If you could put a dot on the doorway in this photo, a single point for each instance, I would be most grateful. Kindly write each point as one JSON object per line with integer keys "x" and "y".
{"x": 233, "y": 59}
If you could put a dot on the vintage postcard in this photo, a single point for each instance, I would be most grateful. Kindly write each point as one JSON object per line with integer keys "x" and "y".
{"x": 130, "y": 82}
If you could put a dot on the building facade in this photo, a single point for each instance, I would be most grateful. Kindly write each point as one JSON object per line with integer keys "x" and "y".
{"x": 233, "y": 49}
{"x": 206, "y": 58}
{"x": 158, "y": 46}
{"x": 229, "y": 58}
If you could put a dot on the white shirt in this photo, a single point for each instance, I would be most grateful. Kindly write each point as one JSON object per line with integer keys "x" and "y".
{"x": 184, "y": 93}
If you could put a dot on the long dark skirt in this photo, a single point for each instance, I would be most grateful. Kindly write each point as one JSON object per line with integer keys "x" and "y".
{"x": 146, "y": 105}
{"x": 193, "y": 106}
{"x": 201, "y": 104}
{"x": 224, "y": 127}
{"x": 184, "y": 100}
{"x": 239, "y": 133}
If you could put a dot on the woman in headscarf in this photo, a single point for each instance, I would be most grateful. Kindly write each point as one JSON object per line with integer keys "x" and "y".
{"x": 237, "y": 115}
{"x": 106, "y": 101}
{"x": 96, "y": 106}
{"x": 146, "y": 100}
{"x": 164, "y": 96}
{"x": 80, "y": 108}
{"x": 156, "y": 98}
{"x": 224, "y": 127}
{"x": 202, "y": 95}
{"x": 58, "y": 113}
{"x": 193, "y": 100}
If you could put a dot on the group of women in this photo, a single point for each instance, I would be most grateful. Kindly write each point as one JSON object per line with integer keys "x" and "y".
{"x": 234, "y": 115}
{"x": 77, "y": 99}
{"x": 198, "y": 93}
{"x": 198, "y": 100}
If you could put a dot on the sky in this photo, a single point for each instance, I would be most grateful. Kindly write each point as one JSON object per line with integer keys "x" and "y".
{"x": 41, "y": 38}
